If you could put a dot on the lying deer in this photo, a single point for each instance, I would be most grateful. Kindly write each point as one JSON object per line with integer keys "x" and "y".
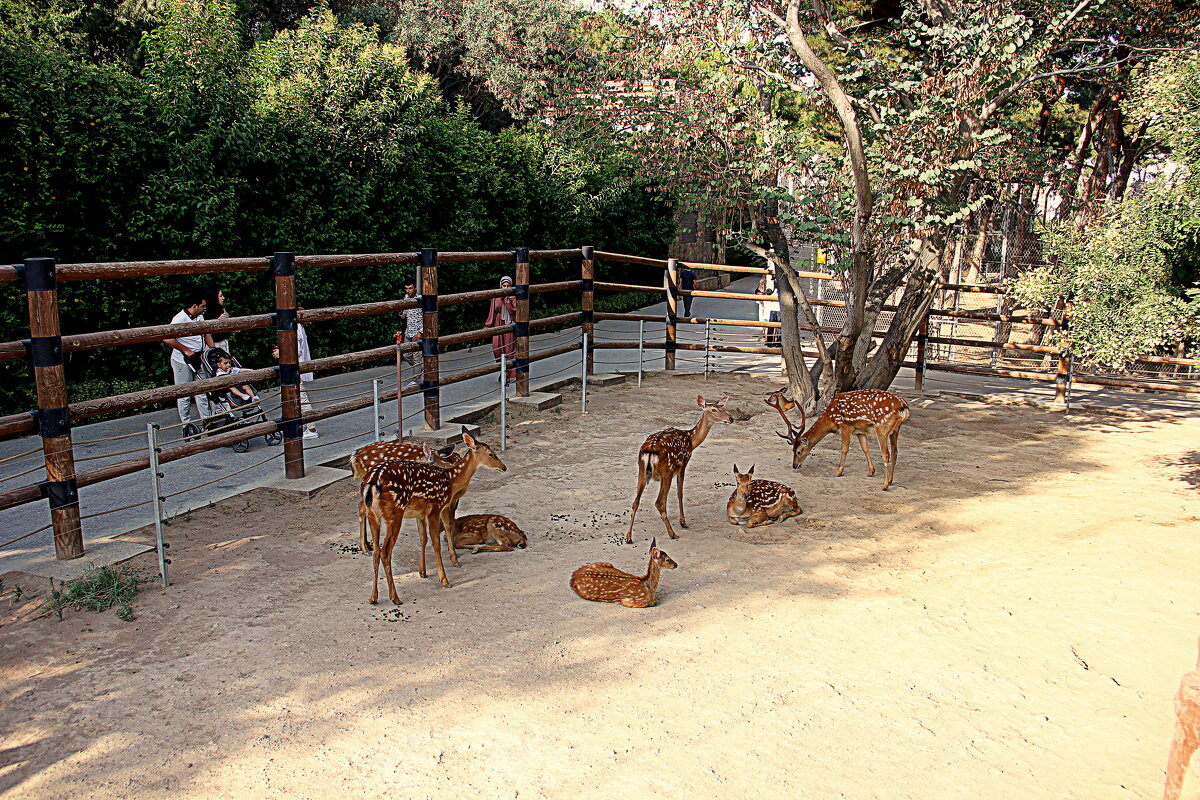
{"x": 1187, "y": 733}
{"x": 411, "y": 489}
{"x": 372, "y": 455}
{"x": 854, "y": 413}
{"x": 760, "y": 502}
{"x": 488, "y": 532}
{"x": 605, "y": 583}
{"x": 664, "y": 456}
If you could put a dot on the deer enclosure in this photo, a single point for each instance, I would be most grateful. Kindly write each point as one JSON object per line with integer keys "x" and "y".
{"x": 1009, "y": 619}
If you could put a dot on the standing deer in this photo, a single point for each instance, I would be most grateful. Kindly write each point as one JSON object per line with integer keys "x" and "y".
{"x": 854, "y": 413}
{"x": 372, "y": 455}
{"x": 1187, "y": 733}
{"x": 605, "y": 583}
{"x": 488, "y": 532}
{"x": 664, "y": 456}
{"x": 759, "y": 502}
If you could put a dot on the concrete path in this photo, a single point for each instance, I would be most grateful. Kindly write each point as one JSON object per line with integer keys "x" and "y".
{"x": 225, "y": 473}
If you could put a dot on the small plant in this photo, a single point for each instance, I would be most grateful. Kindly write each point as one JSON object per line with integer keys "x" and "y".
{"x": 98, "y": 590}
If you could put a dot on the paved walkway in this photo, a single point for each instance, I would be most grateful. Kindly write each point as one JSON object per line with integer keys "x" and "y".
{"x": 227, "y": 473}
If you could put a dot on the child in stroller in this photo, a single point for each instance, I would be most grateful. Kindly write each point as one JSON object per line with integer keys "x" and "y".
{"x": 236, "y": 406}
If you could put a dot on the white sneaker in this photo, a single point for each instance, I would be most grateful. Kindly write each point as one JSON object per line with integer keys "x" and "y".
{"x": 310, "y": 434}
{"x": 411, "y": 384}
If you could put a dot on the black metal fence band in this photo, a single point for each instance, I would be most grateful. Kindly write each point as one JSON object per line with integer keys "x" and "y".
{"x": 52, "y": 422}
{"x": 521, "y": 329}
{"x": 283, "y": 264}
{"x": 521, "y": 291}
{"x": 586, "y": 284}
{"x": 428, "y": 256}
{"x": 589, "y": 252}
{"x": 46, "y": 351}
{"x": 291, "y": 427}
{"x": 429, "y": 303}
{"x": 429, "y": 347}
{"x": 429, "y": 389}
{"x": 285, "y": 319}
{"x": 520, "y": 364}
{"x": 521, "y": 255}
{"x": 289, "y": 374}
{"x": 40, "y": 275}
{"x": 586, "y": 317}
{"x": 669, "y": 347}
{"x": 62, "y": 494}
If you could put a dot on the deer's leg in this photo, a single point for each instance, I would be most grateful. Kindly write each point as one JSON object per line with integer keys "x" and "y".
{"x": 451, "y": 525}
{"x": 895, "y": 441}
{"x": 423, "y": 538}
{"x": 433, "y": 524}
{"x": 679, "y": 485}
{"x": 862, "y": 440}
{"x": 363, "y": 544}
{"x": 664, "y": 488}
{"x": 491, "y": 548}
{"x": 845, "y": 434}
{"x": 758, "y": 518}
{"x": 375, "y": 560}
{"x": 636, "y": 500}
{"x": 887, "y": 459}
{"x": 393, "y": 531}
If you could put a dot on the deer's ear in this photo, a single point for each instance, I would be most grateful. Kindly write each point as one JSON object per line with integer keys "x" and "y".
{"x": 751, "y": 472}
{"x": 468, "y": 440}
{"x": 721, "y": 403}
{"x": 426, "y": 452}
{"x": 735, "y": 469}
{"x": 700, "y": 400}
{"x": 653, "y": 544}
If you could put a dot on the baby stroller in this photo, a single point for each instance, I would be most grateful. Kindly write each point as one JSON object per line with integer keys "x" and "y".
{"x": 230, "y": 412}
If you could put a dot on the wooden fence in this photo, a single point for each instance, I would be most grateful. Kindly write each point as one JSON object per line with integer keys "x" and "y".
{"x": 53, "y": 418}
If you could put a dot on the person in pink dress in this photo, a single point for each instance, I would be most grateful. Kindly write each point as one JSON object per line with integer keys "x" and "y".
{"x": 502, "y": 312}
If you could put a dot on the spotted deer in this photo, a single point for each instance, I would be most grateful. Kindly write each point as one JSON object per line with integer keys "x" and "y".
{"x": 487, "y": 532}
{"x": 605, "y": 583}
{"x": 855, "y": 413}
{"x": 1187, "y": 733}
{"x": 760, "y": 502}
{"x": 372, "y": 455}
{"x": 664, "y": 456}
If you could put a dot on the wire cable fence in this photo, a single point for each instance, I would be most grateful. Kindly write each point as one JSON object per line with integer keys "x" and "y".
{"x": 35, "y": 468}
{"x": 225, "y": 476}
{"x": 42, "y": 529}
{"x": 6, "y": 459}
{"x": 114, "y": 510}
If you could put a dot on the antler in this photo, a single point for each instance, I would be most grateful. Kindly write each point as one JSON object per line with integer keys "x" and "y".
{"x": 774, "y": 402}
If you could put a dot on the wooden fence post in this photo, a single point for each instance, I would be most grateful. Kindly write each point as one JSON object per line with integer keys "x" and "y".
{"x": 53, "y": 419}
{"x": 283, "y": 266}
{"x": 587, "y": 305}
{"x": 429, "y": 339}
{"x": 670, "y": 282}
{"x": 922, "y": 341}
{"x": 521, "y": 324}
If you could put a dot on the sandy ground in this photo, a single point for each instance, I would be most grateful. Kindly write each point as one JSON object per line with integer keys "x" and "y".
{"x": 1011, "y": 620}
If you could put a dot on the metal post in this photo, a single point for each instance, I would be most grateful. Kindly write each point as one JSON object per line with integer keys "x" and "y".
{"x": 157, "y": 501}
{"x": 707, "y": 344}
{"x": 670, "y": 282}
{"x": 583, "y": 397}
{"x": 283, "y": 266}
{"x": 521, "y": 323}
{"x": 53, "y": 419}
{"x": 375, "y": 405}
{"x": 922, "y": 336}
{"x": 503, "y": 403}
{"x": 641, "y": 346}
{"x": 587, "y": 303}
{"x": 429, "y": 339}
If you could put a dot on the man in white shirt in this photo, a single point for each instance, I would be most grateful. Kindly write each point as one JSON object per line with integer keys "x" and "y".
{"x": 185, "y": 356}
{"x": 414, "y": 327}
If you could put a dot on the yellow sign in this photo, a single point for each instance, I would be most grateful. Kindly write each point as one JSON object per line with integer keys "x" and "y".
{"x": 820, "y": 255}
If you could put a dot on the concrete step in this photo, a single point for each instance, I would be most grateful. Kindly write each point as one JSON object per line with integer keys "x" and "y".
{"x": 538, "y": 400}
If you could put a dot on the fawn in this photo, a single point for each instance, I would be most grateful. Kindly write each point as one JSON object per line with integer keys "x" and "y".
{"x": 1187, "y": 733}
{"x": 664, "y": 456}
{"x": 488, "y": 532}
{"x": 855, "y": 413}
{"x": 605, "y": 583}
{"x": 760, "y": 502}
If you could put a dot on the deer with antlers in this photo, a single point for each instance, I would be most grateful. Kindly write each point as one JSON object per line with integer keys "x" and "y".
{"x": 855, "y": 413}
{"x": 397, "y": 490}
{"x": 372, "y": 455}
{"x": 755, "y": 503}
{"x": 664, "y": 456}
{"x": 605, "y": 583}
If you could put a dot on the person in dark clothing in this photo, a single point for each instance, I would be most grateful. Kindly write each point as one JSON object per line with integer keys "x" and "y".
{"x": 687, "y": 282}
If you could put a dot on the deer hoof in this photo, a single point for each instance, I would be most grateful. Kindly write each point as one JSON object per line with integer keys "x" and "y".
{"x": 683, "y": 524}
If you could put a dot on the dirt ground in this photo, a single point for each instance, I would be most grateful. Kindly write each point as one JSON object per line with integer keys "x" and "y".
{"x": 1010, "y": 619}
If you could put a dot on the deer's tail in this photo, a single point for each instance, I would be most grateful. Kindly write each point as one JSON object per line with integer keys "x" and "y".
{"x": 647, "y": 460}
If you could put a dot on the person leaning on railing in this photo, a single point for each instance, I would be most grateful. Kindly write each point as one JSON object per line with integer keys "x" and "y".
{"x": 185, "y": 355}
{"x": 414, "y": 327}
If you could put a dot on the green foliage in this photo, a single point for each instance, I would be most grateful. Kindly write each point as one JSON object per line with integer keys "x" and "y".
{"x": 99, "y": 590}
{"x": 317, "y": 140}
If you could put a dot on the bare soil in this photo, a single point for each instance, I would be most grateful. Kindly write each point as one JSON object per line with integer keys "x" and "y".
{"x": 1010, "y": 619}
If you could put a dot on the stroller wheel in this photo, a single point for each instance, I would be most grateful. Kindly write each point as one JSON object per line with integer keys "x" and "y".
{"x": 191, "y": 430}
{"x": 242, "y": 446}
{"x": 274, "y": 438}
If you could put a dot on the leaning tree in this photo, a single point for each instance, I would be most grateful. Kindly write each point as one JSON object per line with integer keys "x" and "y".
{"x": 871, "y": 132}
